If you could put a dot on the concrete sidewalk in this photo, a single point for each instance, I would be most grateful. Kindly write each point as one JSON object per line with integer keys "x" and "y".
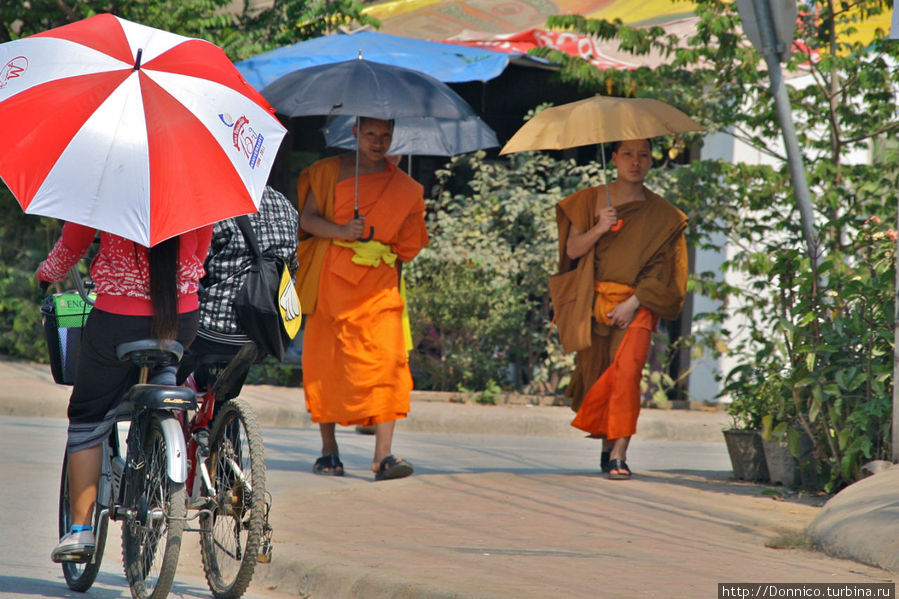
{"x": 27, "y": 389}
{"x": 500, "y": 534}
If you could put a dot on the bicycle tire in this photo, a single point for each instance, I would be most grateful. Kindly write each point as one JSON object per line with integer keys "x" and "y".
{"x": 79, "y": 576}
{"x": 151, "y": 536}
{"x": 232, "y": 532}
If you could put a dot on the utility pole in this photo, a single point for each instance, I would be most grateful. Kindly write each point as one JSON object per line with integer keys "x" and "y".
{"x": 895, "y": 439}
{"x": 761, "y": 25}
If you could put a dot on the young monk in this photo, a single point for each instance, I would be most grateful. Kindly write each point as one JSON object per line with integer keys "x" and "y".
{"x": 355, "y": 361}
{"x": 640, "y": 271}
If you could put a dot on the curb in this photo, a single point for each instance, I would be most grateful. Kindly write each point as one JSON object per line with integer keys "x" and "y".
{"x": 27, "y": 389}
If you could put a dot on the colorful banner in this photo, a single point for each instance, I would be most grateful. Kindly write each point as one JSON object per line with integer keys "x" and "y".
{"x": 575, "y": 44}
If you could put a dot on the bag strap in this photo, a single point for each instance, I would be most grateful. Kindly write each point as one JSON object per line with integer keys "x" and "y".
{"x": 243, "y": 223}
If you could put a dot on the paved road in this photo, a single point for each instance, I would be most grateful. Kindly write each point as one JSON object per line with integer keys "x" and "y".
{"x": 486, "y": 516}
{"x": 32, "y": 447}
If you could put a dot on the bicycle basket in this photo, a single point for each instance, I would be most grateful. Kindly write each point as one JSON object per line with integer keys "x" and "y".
{"x": 63, "y": 316}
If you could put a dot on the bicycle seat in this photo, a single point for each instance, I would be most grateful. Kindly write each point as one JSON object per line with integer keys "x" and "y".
{"x": 150, "y": 352}
{"x": 160, "y": 397}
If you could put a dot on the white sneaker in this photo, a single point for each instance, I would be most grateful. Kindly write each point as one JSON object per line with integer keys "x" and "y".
{"x": 74, "y": 547}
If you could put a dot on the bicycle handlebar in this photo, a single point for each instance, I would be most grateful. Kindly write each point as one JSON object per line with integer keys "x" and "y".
{"x": 79, "y": 285}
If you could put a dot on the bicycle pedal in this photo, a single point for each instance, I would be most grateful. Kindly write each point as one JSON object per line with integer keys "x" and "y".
{"x": 265, "y": 554}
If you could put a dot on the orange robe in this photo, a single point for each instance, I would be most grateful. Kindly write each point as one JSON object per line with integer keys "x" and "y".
{"x": 648, "y": 254}
{"x": 355, "y": 364}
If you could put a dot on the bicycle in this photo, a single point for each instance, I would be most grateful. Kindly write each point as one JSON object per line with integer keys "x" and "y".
{"x": 221, "y": 479}
{"x": 227, "y": 487}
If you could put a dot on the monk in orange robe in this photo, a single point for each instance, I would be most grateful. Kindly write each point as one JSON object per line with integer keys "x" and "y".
{"x": 640, "y": 271}
{"x": 355, "y": 359}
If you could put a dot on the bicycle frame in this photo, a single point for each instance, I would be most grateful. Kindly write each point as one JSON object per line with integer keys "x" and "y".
{"x": 196, "y": 432}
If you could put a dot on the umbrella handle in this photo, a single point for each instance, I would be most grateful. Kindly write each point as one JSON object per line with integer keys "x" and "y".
{"x": 617, "y": 226}
{"x": 371, "y": 230}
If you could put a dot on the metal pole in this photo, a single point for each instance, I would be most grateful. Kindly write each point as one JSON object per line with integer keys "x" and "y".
{"x": 785, "y": 117}
{"x": 605, "y": 180}
{"x": 895, "y": 438}
{"x": 356, "y": 194}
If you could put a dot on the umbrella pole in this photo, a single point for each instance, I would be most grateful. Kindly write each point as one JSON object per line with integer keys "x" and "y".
{"x": 371, "y": 231}
{"x": 356, "y": 195}
{"x": 605, "y": 180}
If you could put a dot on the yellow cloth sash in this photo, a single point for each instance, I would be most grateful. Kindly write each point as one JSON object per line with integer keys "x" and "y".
{"x": 371, "y": 253}
{"x": 608, "y": 295}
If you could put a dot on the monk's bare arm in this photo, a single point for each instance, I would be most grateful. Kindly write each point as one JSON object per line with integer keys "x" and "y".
{"x": 312, "y": 222}
{"x": 580, "y": 243}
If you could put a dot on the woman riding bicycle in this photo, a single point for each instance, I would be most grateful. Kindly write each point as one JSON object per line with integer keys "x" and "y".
{"x": 141, "y": 293}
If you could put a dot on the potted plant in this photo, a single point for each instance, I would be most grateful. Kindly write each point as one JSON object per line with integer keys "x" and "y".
{"x": 778, "y": 430}
{"x": 747, "y": 408}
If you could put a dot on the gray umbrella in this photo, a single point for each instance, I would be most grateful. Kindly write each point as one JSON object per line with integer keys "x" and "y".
{"x": 363, "y": 88}
{"x": 422, "y": 136}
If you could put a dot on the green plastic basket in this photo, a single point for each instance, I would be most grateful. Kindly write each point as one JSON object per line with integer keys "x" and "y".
{"x": 64, "y": 315}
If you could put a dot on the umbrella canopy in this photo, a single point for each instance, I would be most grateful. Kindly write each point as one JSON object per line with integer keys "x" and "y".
{"x": 364, "y": 88}
{"x": 131, "y": 130}
{"x": 599, "y": 119}
{"x": 446, "y": 62}
{"x": 424, "y": 136}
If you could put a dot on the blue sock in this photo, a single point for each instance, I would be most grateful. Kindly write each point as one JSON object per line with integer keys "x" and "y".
{"x": 81, "y": 527}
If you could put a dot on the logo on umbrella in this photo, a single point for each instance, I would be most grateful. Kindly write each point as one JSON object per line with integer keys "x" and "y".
{"x": 12, "y": 69}
{"x": 245, "y": 138}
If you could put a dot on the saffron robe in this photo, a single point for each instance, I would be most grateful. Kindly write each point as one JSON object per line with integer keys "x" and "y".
{"x": 648, "y": 253}
{"x": 355, "y": 364}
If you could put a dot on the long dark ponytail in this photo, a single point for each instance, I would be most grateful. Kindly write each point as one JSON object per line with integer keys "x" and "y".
{"x": 164, "y": 288}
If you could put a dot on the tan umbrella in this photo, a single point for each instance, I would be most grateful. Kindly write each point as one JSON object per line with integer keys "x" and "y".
{"x": 598, "y": 120}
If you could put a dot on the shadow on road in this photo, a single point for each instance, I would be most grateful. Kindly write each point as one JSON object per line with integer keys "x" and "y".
{"x": 722, "y": 482}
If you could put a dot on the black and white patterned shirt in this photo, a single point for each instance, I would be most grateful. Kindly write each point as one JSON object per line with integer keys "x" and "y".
{"x": 230, "y": 258}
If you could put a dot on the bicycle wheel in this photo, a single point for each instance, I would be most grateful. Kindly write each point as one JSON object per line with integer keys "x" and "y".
{"x": 79, "y": 576}
{"x": 232, "y": 532}
{"x": 151, "y": 536}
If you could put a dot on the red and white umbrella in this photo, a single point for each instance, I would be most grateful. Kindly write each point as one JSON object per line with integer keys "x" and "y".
{"x": 131, "y": 130}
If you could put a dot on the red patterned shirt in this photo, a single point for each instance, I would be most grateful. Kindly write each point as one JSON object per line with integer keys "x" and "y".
{"x": 121, "y": 268}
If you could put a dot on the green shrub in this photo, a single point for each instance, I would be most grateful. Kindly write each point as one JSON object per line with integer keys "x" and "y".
{"x": 478, "y": 294}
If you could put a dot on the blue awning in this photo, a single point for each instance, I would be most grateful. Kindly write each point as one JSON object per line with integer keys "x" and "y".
{"x": 449, "y": 63}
